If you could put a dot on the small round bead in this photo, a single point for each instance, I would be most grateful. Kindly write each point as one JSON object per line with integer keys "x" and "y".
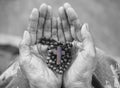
{"x": 65, "y": 60}
{"x": 54, "y": 68}
{"x": 64, "y": 69}
{"x": 50, "y": 61}
{"x": 66, "y": 66}
{"x": 48, "y": 58}
{"x": 68, "y": 63}
{"x": 60, "y": 71}
{"x": 51, "y": 66}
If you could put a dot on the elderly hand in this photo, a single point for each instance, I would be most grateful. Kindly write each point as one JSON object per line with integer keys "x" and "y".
{"x": 33, "y": 54}
{"x": 79, "y": 74}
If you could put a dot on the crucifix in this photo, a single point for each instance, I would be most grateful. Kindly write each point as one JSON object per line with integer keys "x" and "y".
{"x": 59, "y": 54}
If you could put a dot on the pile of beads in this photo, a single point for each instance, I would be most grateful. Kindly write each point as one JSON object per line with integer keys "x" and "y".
{"x": 59, "y": 55}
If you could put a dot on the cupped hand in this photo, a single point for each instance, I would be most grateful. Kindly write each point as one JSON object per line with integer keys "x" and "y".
{"x": 33, "y": 54}
{"x": 79, "y": 74}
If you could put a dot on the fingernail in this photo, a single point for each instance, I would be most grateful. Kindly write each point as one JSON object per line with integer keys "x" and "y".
{"x": 60, "y": 10}
{"x": 50, "y": 12}
{"x": 34, "y": 13}
{"x": 87, "y": 27}
{"x": 49, "y": 7}
{"x": 43, "y": 5}
{"x": 25, "y": 35}
{"x": 67, "y": 5}
{"x": 73, "y": 32}
{"x": 71, "y": 12}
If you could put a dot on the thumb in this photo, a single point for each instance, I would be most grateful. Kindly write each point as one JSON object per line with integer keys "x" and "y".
{"x": 77, "y": 44}
{"x": 87, "y": 39}
{"x": 40, "y": 49}
{"x": 24, "y": 45}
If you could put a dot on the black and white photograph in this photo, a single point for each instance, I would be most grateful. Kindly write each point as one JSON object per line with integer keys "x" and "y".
{"x": 59, "y": 43}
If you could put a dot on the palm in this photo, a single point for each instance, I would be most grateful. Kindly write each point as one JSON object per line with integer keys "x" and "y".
{"x": 33, "y": 54}
{"x": 82, "y": 63}
{"x": 37, "y": 71}
{"x": 80, "y": 72}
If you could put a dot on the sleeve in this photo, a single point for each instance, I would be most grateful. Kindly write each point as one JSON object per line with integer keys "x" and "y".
{"x": 13, "y": 78}
{"x": 107, "y": 70}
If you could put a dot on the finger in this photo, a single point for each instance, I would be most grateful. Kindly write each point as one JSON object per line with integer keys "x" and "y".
{"x": 47, "y": 28}
{"x": 24, "y": 45}
{"x": 73, "y": 32}
{"x": 42, "y": 15}
{"x": 87, "y": 39}
{"x": 39, "y": 50}
{"x": 73, "y": 19}
{"x": 66, "y": 5}
{"x": 65, "y": 23}
{"x": 33, "y": 22}
{"x": 61, "y": 36}
{"x": 42, "y": 48}
{"x": 54, "y": 29}
{"x": 72, "y": 28}
{"x": 77, "y": 45}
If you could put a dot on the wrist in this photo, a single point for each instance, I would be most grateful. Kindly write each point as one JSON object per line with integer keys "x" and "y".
{"x": 43, "y": 85}
{"x": 78, "y": 85}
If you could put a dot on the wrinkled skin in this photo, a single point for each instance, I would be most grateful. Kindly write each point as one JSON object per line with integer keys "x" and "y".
{"x": 33, "y": 55}
{"x": 80, "y": 73}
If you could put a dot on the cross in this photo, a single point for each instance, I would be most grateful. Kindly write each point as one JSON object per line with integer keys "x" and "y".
{"x": 59, "y": 53}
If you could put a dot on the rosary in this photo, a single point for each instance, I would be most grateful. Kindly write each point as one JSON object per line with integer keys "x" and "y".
{"x": 59, "y": 55}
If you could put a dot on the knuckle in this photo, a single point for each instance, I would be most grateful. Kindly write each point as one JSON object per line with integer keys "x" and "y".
{"x": 33, "y": 19}
{"x": 22, "y": 46}
{"x": 32, "y": 26}
{"x": 41, "y": 22}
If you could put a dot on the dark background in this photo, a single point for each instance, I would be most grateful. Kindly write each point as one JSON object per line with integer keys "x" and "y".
{"x": 103, "y": 17}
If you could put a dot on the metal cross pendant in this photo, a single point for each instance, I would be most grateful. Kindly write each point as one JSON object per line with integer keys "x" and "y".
{"x": 59, "y": 54}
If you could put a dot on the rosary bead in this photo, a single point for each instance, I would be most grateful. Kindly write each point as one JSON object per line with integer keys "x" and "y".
{"x": 60, "y": 71}
{"x": 51, "y": 66}
{"x": 57, "y": 70}
{"x": 60, "y": 68}
{"x": 48, "y": 58}
{"x": 65, "y": 60}
{"x": 57, "y": 53}
{"x": 51, "y": 46}
{"x": 49, "y": 51}
{"x": 68, "y": 63}
{"x": 61, "y": 61}
{"x": 64, "y": 69}
{"x": 53, "y": 57}
{"x": 50, "y": 61}
{"x": 54, "y": 68}
{"x": 66, "y": 66}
